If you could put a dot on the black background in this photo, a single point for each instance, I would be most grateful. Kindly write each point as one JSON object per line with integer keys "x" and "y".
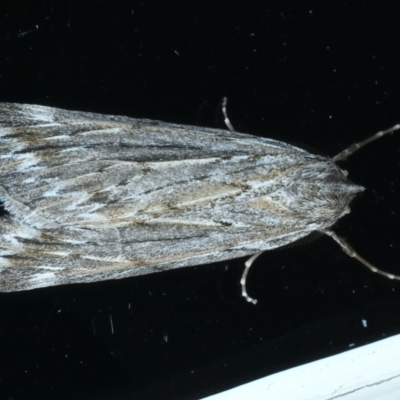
{"x": 322, "y": 74}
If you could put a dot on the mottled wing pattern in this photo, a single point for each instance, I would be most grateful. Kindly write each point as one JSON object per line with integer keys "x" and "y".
{"x": 93, "y": 197}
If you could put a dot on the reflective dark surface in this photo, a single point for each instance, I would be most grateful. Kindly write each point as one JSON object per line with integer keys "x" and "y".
{"x": 322, "y": 76}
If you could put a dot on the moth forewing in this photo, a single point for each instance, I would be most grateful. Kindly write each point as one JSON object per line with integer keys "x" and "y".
{"x": 92, "y": 197}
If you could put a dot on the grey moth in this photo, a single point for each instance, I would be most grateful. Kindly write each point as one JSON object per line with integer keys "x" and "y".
{"x": 91, "y": 197}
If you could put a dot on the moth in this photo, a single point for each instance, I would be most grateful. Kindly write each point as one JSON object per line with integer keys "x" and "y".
{"x": 90, "y": 197}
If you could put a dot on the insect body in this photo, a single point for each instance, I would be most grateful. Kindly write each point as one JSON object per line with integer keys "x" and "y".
{"x": 92, "y": 197}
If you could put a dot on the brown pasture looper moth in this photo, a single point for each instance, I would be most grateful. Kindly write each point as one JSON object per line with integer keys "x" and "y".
{"x": 92, "y": 197}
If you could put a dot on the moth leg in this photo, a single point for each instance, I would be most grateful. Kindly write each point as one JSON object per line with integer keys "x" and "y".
{"x": 352, "y": 253}
{"x": 343, "y": 155}
{"x": 248, "y": 264}
{"x": 226, "y": 119}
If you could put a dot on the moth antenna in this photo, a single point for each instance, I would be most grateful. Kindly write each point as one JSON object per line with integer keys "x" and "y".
{"x": 343, "y": 155}
{"x": 226, "y": 119}
{"x": 248, "y": 264}
{"x": 352, "y": 253}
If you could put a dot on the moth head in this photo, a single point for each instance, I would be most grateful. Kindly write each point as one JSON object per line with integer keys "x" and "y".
{"x": 323, "y": 192}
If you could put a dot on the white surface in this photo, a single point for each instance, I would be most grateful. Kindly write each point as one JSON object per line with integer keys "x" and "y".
{"x": 366, "y": 373}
